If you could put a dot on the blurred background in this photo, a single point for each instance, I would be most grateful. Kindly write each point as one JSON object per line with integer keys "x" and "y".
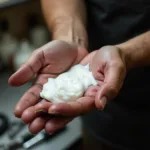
{"x": 22, "y": 30}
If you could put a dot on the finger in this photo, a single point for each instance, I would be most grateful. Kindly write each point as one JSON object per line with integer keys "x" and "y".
{"x": 28, "y": 69}
{"x": 111, "y": 86}
{"x": 74, "y": 108}
{"x": 91, "y": 91}
{"x": 35, "y": 111}
{"x": 89, "y": 60}
{"x": 82, "y": 53}
{"x": 38, "y": 124}
{"x": 57, "y": 123}
{"x": 32, "y": 96}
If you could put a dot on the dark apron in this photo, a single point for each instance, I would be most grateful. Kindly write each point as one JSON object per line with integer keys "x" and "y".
{"x": 126, "y": 120}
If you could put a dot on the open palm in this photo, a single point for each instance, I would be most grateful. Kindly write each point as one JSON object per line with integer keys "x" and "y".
{"x": 45, "y": 62}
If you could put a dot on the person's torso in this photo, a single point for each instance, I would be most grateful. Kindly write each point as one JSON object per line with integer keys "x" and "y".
{"x": 113, "y": 22}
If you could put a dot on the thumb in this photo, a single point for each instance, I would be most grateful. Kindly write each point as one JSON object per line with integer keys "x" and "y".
{"x": 88, "y": 58}
{"x": 109, "y": 89}
{"x": 28, "y": 69}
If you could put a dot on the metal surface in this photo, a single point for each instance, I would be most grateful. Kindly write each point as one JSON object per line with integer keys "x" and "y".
{"x": 8, "y": 3}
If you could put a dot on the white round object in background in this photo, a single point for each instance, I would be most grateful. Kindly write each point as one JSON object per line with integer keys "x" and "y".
{"x": 8, "y": 46}
{"x": 23, "y": 53}
{"x": 38, "y": 36}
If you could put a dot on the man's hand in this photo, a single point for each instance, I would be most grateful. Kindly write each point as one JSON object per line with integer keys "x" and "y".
{"x": 48, "y": 61}
{"x": 109, "y": 67}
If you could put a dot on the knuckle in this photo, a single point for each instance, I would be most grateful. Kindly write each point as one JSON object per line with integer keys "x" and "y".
{"x": 28, "y": 102}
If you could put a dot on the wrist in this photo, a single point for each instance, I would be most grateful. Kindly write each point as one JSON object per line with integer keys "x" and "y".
{"x": 72, "y": 31}
{"x": 136, "y": 51}
{"x": 126, "y": 56}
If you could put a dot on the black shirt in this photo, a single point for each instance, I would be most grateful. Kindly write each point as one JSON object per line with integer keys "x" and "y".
{"x": 125, "y": 122}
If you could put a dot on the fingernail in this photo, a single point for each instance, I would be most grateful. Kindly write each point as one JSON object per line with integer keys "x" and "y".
{"x": 53, "y": 112}
{"x": 103, "y": 101}
{"x": 40, "y": 110}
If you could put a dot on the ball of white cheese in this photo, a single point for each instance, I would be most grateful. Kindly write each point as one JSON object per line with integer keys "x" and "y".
{"x": 68, "y": 86}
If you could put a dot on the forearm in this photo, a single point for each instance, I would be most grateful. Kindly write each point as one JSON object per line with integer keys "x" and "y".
{"x": 66, "y": 20}
{"x": 137, "y": 51}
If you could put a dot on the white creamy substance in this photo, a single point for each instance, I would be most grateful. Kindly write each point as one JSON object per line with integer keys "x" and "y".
{"x": 68, "y": 86}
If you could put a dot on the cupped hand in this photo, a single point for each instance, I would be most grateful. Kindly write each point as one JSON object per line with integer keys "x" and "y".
{"x": 108, "y": 66}
{"x": 45, "y": 62}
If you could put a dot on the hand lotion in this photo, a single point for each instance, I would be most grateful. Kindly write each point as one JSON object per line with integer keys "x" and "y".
{"x": 68, "y": 86}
